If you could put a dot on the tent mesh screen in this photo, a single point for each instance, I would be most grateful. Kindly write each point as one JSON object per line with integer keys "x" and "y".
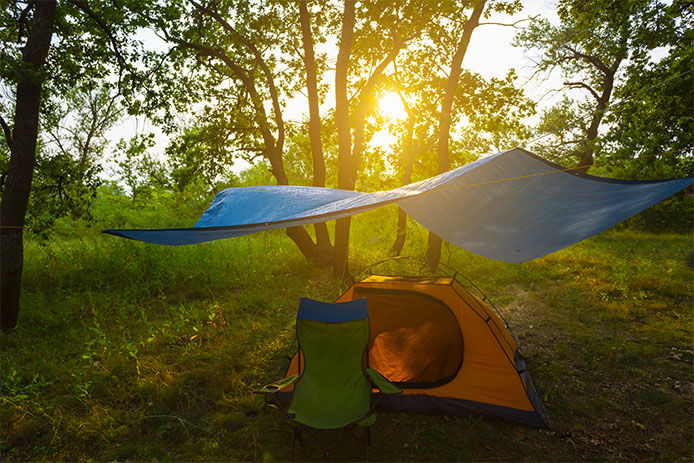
{"x": 415, "y": 339}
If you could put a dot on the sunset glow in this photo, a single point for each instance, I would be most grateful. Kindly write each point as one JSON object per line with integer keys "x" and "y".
{"x": 391, "y": 106}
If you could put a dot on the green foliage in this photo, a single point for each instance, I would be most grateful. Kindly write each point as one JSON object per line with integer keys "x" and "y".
{"x": 138, "y": 170}
{"x": 593, "y": 41}
{"x": 257, "y": 175}
{"x": 13, "y": 390}
{"x": 128, "y": 351}
{"x": 492, "y": 112}
{"x": 652, "y": 126}
{"x": 68, "y": 164}
{"x": 246, "y": 72}
{"x": 90, "y": 65}
{"x": 649, "y": 128}
{"x": 651, "y": 135}
{"x": 93, "y": 45}
{"x": 61, "y": 187}
{"x": 487, "y": 114}
{"x": 202, "y": 154}
{"x": 596, "y": 29}
{"x": 159, "y": 207}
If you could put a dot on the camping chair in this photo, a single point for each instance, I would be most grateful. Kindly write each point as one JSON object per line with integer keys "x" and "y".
{"x": 333, "y": 388}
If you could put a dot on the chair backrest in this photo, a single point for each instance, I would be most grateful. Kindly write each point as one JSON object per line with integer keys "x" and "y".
{"x": 333, "y": 391}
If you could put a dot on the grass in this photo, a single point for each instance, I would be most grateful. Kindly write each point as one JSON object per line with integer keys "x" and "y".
{"x": 127, "y": 351}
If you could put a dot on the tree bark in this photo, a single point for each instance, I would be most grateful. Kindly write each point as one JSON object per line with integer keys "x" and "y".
{"x": 587, "y": 150}
{"x": 344, "y": 136}
{"x": 324, "y": 247}
{"x": 445, "y": 118}
{"x": 298, "y": 235}
{"x": 407, "y": 165}
{"x": 273, "y": 148}
{"x": 20, "y": 172}
{"x": 314, "y": 124}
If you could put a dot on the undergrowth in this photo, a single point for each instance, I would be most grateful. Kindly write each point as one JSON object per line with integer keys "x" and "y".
{"x": 129, "y": 351}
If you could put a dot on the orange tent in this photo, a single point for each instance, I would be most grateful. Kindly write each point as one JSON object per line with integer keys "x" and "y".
{"x": 445, "y": 348}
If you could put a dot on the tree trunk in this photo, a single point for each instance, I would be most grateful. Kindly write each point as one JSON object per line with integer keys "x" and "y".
{"x": 400, "y": 233}
{"x": 20, "y": 172}
{"x": 445, "y": 118}
{"x": 297, "y": 234}
{"x": 324, "y": 247}
{"x": 314, "y": 124}
{"x": 274, "y": 149}
{"x": 345, "y": 178}
{"x": 407, "y": 165}
{"x": 587, "y": 150}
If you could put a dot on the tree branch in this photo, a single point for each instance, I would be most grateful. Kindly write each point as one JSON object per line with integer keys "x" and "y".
{"x": 562, "y": 143}
{"x": 583, "y": 85}
{"x": 218, "y": 53}
{"x": 513, "y": 24}
{"x": 272, "y": 148}
{"x": 56, "y": 140}
{"x": 595, "y": 61}
{"x": 122, "y": 63}
{"x": 22, "y": 21}
{"x": 8, "y": 133}
{"x": 261, "y": 62}
{"x": 364, "y": 97}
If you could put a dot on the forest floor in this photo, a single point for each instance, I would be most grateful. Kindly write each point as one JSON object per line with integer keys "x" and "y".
{"x": 128, "y": 351}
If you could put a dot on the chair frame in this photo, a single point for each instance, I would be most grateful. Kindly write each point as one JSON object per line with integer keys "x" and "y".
{"x": 270, "y": 393}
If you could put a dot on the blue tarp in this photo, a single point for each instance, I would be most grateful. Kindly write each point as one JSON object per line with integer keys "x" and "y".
{"x": 512, "y": 206}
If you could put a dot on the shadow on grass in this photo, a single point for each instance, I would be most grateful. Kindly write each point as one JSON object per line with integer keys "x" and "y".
{"x": 127, "y": 351}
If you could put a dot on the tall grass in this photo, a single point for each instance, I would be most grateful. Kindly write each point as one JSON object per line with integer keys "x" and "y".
{"x": 129, "y": 351}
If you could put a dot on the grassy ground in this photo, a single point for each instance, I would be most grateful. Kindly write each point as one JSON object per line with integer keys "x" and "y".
{"x": 127, "y": 351}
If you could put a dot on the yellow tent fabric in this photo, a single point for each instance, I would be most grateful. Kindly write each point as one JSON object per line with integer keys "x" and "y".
{"x": 447, "y": 350}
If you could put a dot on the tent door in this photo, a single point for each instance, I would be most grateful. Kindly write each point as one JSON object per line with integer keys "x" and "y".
{"x": 415, "y": 338}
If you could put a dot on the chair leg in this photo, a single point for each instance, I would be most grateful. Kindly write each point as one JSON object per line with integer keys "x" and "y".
{"x": 293, "y": 442}
{"x": 298, "y": 435}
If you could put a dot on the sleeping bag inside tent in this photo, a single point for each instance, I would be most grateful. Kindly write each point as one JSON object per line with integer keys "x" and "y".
{"x": 447, "y": 350}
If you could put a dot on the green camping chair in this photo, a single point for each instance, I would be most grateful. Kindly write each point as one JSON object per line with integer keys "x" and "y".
{"x": 334, "y": 384}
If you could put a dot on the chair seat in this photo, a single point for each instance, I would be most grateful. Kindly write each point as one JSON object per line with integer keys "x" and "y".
{"x": 327, "y": 421}
{"x": 333, "y": 389}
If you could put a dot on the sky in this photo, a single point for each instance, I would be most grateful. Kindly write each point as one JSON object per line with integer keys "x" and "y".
{"x": 490, "y": 54}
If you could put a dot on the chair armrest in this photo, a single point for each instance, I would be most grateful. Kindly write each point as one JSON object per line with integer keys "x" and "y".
{"x": 277, "y": 385}
{"x": 382, "y": 383}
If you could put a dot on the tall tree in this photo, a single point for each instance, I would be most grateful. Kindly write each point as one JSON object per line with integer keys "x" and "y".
{"x": 589, "y": 46}
{"x": 651, "y": 124}
{"x": 434, "y": 89}
{"x": 345, "y": 160}
{"x": 21, "y": 139}
{"x": 411, "y": 27}
{"x": 445, "y": 117}
{"x": 44, "y": 49}
{"x": 371, "y": 38}
{"x": 650, "y": 131}
{"x": 230, "y": 49}
{"x": 253, "y": 58}
{"x": 406, "y": 161}
{"x": 324, "y": 247}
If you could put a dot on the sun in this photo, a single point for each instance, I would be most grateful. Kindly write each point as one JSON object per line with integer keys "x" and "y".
{"x": 390, "y": 105}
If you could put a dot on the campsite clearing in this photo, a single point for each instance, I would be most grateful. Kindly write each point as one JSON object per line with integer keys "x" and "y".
{"x": 134, "y": 352}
